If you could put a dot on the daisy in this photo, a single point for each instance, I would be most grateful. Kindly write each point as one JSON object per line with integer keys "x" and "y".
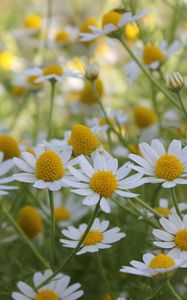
{"x": 67, "y": 210}
{"x": 101, "y": 179}
{"x": 45, "y": 169}
{"x": 152, "y": 56}
{"x": 159, "y": 266}
{"x": 112, "y": 22}
{"x": 56, "y": 289}
{"x": 5, "y": 167}
{"x": 55, "y": 73}
{"x": 31, "y": 75}
{"x": 173, "y": 236}
{"x": 97, "y": 238}
{"x": 160, "y": 166}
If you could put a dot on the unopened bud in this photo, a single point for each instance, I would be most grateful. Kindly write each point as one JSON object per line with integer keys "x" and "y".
{"x": 175, "y": 82}
{"x": 92, "y": 72}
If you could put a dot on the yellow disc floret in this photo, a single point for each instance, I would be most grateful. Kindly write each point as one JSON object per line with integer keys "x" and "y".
{"x": 33, "y": 22}
{"x": 30, "y": 221}
{"x": 131, "y": 32}
{"x": 112, "y": 17}
{"x": 49, "y": 166}
{"x": 107, "y": 296}
{"x": 53, "y": 69}
{"x": 18, "y": 90}
{"x": 47, "y": 295}
{"x": 104, "y": 183}
{"x": 85, "y": 25}
{"x": 62, "y": 36}
{"x": 163, "y": 211}
{"x": 134, "y": 148}
{"x": 83, "y": 141}
{"x": 7, "y": 60}
{"x": 62, "y": 214}
{"x": 168, "y": 167}
{"x": 93, "y": 237}
{"x": 181, "y": 239}
{"x": 31, "y": 80}
{"x": 144, "y": 116}
{"x": 87, "y": 95}
{"x": 161, "y": 261}
{"x": 9, "y": 146}
{"x": 151, "y": 54}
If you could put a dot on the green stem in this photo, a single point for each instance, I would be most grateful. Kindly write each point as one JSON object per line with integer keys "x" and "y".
{"x": 147, "y": 73}
{"x": 156, "y": 292}
{"x": 142, "y": 203}
{"x": 51, "y": 109}
{"x": 25, "y": 238}
{"x": 173, "y": 292}
{"x": 132, "y": 212}
{"x": 182, "y": 104}
{"x": 102, "y": 272}
{"x": 76, "y": 249}
{"x": 19, "y": 110}
{"x": 175, "y": 202}
{"x": 52, "y": 250}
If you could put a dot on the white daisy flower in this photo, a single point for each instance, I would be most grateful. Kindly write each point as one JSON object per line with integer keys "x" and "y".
{"x": 159, "y": 166}
{"x": 46, "y": 169}
{"x": 67, "y": 210}
{"x": 56, "y": 289}
{"x": 173, "y": 236}
{"x": 152, "y": 56}
{"x": 97, "y": 238}
{"x": 111, "y": 23}
{"x": 31, "y": 75}
{"x": 159, "y": 266}
{"x": 5, "y": 167}
{"x": 100, "y": 180}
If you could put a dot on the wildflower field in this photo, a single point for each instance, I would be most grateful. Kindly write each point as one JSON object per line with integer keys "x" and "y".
{"x": 93, "y": 150}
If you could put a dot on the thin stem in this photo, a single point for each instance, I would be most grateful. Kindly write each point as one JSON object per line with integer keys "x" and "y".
{"x": 148, "y": 74}
{"x": 181, "y": 103}
{"x": 76, "y": 249}
{"x": 156, "y": 292}
{"x": 102, "y": 272}
{"x": 175, "y": 202}
{"x": 132, "y": 212}
{"x": 51, "y": 110}
{"x": 52, "y": 250}
{"x": 25, "y": 238}
{"x": 142, "y": 203}
{"x": 173, "y": 292}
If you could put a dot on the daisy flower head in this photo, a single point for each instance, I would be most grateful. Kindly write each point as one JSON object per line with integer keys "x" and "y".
{"x": 97, "y": 238}
{"x": 31, "y": 75}
{"x": 101, "y": 179}
{"x": 160, "y": 266}
{"x": 87, "y": 95}
{"x": 5, "y": 167}
{"x": 112, "y": 22}
{"x": 158, "y": 166}
{"x": 173, "y": 236}
{"x": 45, "y": 169}
{"x": 67, "y": 210}
{"x": 57, "y": 289}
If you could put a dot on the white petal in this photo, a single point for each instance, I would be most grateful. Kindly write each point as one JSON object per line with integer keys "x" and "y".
{"x": 104, "y": 204}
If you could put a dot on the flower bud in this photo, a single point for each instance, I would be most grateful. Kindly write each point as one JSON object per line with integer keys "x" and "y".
{"x": 175, "y": 82}
{"x": 92, "y": 72}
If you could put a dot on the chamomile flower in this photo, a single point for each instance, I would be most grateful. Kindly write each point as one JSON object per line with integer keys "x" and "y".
{"x": 160, "y": 266}
{"x": 57, "y": 289}
{"x": 56, "y": 73}
{"x": 159, "y": 166}
{"x": 67, "y": 210}
{"x": 101, "y": 179}
{"x": 45, "y": 169}
{"x": 173, "y": 236}
{"x": 31, "y": 75}
{"x": 97, "y": 238}
{"x": 152, "y": 56}
{"x": 5, "y": 167}
{"x": 112, "y": 22}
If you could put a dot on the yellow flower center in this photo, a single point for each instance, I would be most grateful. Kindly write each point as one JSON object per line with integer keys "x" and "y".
{"x": 31, "y": 150}
{"x": 134, "y": 148}
{"x": 32, "y": 81}
{"x": 85, "y": 25}
{"x": 7, "y": 60}
{"x": 163, "y": 211}
{"x": 93, "y": 237}
{"x": 112, "y": 17}
{"x": 33, "y": 22}
{"x": 53, "y": 69}
{"x": 87, "y": 95}
{"x": 168, "y": 167}
{"x": 181, "y": 239}
{"x": 106, "y": 296}
{"x": 18, "y": 90}
{"x": 62, "y": 36}
{"x": 47, "y": 295}
{"x": 62, "y": 214}
{"x": 131, "y": 32}
{"x": 104, "y": 183}
{"x": 161, "y": 261}
{"x": 30, "y": 221}
{"x": 9, "y": 146}
{"x": 83, "y": 140}
{"x": 49, "y": 166}
{"x": 102, "y": 121}
{"x": 144, "y": 116}
{"x": 152, "y": 53}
